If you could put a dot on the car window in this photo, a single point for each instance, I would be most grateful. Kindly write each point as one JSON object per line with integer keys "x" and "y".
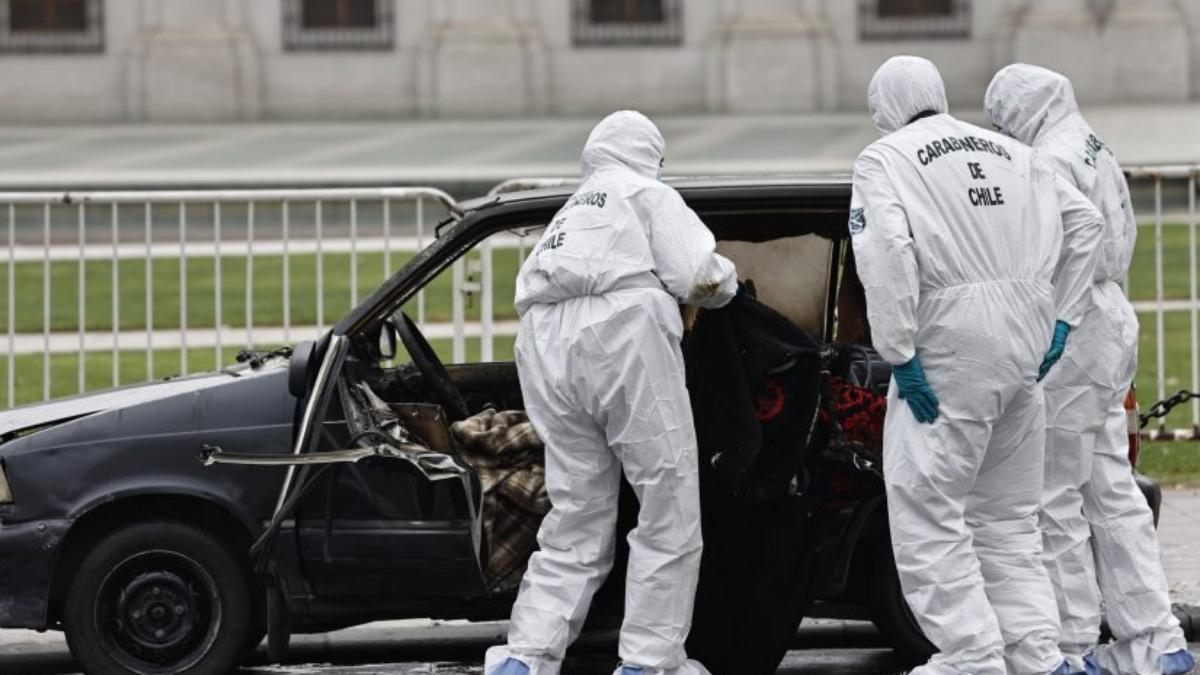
{"x": 433, "y": 308}
{"x": 790, "y": 274}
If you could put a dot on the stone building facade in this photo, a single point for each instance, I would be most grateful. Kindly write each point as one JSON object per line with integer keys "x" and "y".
{"x": 245, "y": 60}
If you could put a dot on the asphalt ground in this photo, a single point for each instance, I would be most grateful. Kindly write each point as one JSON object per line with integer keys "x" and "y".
{"x": 824, "y": 647}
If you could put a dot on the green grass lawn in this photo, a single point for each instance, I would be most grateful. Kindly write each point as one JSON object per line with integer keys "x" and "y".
{"x": 1172, "y": 464}
{"x": 64, "y": 368}
{"x": 1176, "y": 284}
{"x": 268, "y": 293}
{"x": 1178, "y": 461}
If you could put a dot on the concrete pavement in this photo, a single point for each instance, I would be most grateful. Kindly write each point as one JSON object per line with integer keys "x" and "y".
{"x": 483, "y": 152}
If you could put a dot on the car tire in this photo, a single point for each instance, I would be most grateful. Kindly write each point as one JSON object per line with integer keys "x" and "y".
{"x": 890, "y": 612}
{"x": 158, "y": 597}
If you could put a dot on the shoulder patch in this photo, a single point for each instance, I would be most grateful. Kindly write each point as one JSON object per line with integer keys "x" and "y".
{"x": 858, "y": 221}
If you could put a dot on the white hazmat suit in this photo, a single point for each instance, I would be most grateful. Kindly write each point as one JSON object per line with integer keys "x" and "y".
{"x": 959, "y": 234}
{"x": 602, "y": 377}
{"x": 1093, "y": 511}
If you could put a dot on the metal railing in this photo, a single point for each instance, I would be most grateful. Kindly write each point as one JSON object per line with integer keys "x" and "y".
{"x": 54, "y": 236}
{"x": 168, "y": 247}
{"x": 1178, "y": 177}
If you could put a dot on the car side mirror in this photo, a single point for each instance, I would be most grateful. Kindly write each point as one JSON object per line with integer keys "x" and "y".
{"x": 298, "y": 369}
{"x": 386, "y": 351}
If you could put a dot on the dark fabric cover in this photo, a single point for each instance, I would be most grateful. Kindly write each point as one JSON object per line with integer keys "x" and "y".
{"x": 754, "y": 379}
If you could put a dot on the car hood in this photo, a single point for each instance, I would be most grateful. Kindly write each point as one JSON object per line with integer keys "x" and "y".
{"x": 37, "y": 415}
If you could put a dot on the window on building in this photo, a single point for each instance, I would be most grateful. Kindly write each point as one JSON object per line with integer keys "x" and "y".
{"x": 914, "y": 19}
{"x": 627, "y": 22}
{"x": 337, "y": 24}
{"x": 51, "y": 26}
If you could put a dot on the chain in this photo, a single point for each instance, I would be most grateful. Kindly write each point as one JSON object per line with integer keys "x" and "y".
{"x": 1163, "y": 407}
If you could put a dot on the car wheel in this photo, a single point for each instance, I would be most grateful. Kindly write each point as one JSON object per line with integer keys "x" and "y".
{"x": 890, "y": 611}
{"x": 158, "y": 597}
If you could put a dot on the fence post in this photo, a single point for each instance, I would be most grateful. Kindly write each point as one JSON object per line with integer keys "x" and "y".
{"x": 458, "y": 311}
{"x": 1160, "y": 357}
{"x": 217, "y": 351}
{"x": 249, "y": 276}
{"x": 116, "y": 295}
{"x": 12, "y": 305}
{"x": 353, "y": 252}
{"x": 320, "y": 270}
{"x": 287, "y": 275}
{"x": 183, "y": 323}
{"x": 485, "y": 309}
{"x": 81, "y": 312}
{"x": 1194, "y": 312}
{"x": 149, "y": 292}
{"x": 420, "y": 245}
{"x": 46, "y": 303}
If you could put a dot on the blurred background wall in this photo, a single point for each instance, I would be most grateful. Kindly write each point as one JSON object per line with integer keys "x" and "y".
{"x": 247, "y": 60}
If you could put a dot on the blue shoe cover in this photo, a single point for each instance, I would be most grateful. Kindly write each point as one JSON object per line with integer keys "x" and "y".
{"x": 1178, "y": 663}
{"x": 1064, "y": 669}
{"x": 632, "y": 670}
{"x": 511, "y": 666}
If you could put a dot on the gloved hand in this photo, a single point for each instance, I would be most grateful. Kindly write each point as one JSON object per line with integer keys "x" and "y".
{"x": 914, "y": 389}
{"x": 511, "y": 666}
{"x": 1057, "y": 344}
{"x": 632, "y": 670}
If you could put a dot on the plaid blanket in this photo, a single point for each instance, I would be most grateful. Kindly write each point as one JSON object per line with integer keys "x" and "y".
{"x": 507, "y": 454}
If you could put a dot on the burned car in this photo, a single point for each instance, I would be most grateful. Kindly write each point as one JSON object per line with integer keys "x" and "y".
{"x": 167, "y": 527}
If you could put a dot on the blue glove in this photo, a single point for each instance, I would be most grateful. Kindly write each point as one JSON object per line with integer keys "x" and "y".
{"x": 511, "y": 666}
{"x": 632, "y": 670}
{"x": 1061, "y": 330}
{"x": 914, "y": 389}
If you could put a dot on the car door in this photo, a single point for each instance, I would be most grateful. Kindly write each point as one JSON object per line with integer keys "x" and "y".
{"x": 384, "y": 531}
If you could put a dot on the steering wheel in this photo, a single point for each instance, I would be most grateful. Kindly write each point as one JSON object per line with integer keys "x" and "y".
{"x": 437, "y": 379}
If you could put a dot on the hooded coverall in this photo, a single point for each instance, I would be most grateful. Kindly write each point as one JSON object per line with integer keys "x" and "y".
{"x": 1095, "y": 522}
{"x": 598, "y": 353}
{"x": 969, "y": 249}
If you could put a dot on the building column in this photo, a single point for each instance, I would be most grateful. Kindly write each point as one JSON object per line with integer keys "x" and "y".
{"x": 1113, "y": 50}
{"x": 771, "y": 56}
{"x": 192, "y": 61}
{"x": 482, "y": 58}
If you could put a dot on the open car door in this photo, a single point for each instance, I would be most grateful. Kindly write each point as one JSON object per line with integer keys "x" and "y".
{"x": 378, "y": 515}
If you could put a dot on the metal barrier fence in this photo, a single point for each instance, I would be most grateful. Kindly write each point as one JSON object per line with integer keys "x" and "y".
{"x": 59, "y": 240}
{"x": 1170, "y": 177}
{"x": 188, "y": 230}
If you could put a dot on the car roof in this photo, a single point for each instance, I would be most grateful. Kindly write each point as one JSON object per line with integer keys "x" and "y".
{"x": 834, "y": 185}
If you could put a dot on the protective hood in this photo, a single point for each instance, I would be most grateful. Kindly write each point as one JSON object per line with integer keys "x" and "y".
{"x": 903, "y": 87}
{"x": 624, "y": 139}
{"x": 1024, "y": 101}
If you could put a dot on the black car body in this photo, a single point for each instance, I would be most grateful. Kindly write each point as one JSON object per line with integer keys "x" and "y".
{"x": 336, "y": 548}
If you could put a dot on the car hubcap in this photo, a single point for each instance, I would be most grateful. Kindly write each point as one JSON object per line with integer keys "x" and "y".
{"x": 158, "y": 612}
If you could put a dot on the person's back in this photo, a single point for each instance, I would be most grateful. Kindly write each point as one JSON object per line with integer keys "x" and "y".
{"x": 1092, "y": 508}
{"x": 969, "y": 249}
{"x": 602, "y": 378}
{"x": 975, "y": 205}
